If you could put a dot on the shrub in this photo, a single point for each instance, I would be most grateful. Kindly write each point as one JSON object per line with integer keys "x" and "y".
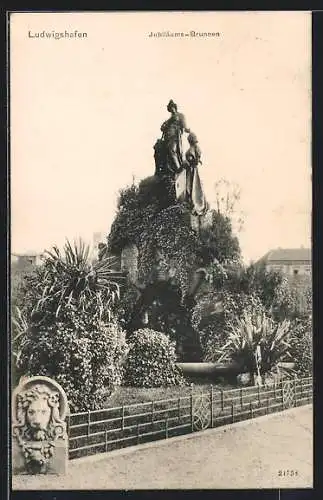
{"x": 302, "y": 347}
{"x": 64, "y": 329}
{"x": 80, "y": 352}
{"x": 251, "y": 330}
{"x": 151, "y": 360}
{"x": 283, "y": 296}
{"x": 255, "y": 279}
{"x": 293, "y": 300}
{"x": 17, "y": 277}
{"x": 215, "y": 312}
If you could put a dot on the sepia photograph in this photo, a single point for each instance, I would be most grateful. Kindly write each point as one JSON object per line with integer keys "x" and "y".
{"x": 161, "y": 250}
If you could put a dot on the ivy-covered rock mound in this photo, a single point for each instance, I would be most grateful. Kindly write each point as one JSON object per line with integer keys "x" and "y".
{"x": 170, "y": 252}
{"x": 149, "y": 217}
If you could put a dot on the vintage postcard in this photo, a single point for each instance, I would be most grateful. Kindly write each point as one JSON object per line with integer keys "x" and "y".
{"x": 161, "y": 267}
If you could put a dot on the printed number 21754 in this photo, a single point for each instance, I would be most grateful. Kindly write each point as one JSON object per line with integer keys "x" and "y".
{"x": 287, "y": 473}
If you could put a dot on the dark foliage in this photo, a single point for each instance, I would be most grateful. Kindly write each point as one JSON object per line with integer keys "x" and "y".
{"x": 151, "y": 361}
{"x": 63, "y": 328}
{"x": 149, "y": 217}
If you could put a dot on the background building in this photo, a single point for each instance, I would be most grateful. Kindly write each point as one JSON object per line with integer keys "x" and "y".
{"x": 290, "y": 261}
{"x": 25, "y": 260}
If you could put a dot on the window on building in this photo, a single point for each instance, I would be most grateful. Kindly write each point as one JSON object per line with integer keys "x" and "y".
{"x": 295, "y": 271}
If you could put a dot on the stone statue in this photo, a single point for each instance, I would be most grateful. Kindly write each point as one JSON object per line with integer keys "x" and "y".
{"x": 175, "y": 169}
{"x": 192, "y": 160}
{"x": 172, "y": 130}
{"x": 160, "y": 155}
{"x": 39, "y": 409}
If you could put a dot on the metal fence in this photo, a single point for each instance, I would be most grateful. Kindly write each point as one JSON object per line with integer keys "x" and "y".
{"x": 113, "y": 428}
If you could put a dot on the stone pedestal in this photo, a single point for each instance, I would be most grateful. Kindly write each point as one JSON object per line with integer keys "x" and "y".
{"x": 195, "y": 222}
{"x": 129, "y": 262}
{"x": 199, "y": 222}
{"x": 39, "y": 437}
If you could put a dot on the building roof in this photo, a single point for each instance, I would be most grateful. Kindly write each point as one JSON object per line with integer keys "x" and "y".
{"x": 288, "y": 254}
{"x": 31, "y": 254}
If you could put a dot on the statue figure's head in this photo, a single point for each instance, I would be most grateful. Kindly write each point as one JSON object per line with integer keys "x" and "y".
{"x": 171, "y": 106}
{"x": 192, "y": 139}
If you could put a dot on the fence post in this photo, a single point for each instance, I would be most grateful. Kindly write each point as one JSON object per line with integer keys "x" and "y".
{"x": 251, "y": 409}
{"x": 267, "y": 406}
{"x": 222, "y": 400}
{"x": 179, "y": 409}
{"x": 106, "y": 440}
{"x": 166, "y": 427}
{"x": 192, "y": 417}
{"x": 122, "y": 418}
{"x": 137, "y": 433}
{"x": 282, "y": 387}
{"x": 88, "y": 422}
{"x": 308, "y": 390}
{"x": 295, "y": 390}
{"x": 232, "y": 412}
{"x": 211, "y": 398}
{"x": 275, "y": 394}
{"x": 152, "y": 411}
{"x": 259, "y": 395}
{"x": 241, "y": 398}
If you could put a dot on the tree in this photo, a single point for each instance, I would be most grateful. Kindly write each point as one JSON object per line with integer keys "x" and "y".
{"x": 255, "y": 279}
{"x": 226, "y": 202}
{"x": 218, "y": 241}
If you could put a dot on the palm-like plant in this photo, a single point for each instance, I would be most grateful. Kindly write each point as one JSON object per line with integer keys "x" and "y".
{"x": 68, "y": 277}
{"x": 253, "y": 330}
{"x": 62, "y": 329}
{"x": 19, "y": 328}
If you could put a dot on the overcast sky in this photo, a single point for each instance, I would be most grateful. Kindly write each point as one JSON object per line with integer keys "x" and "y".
{"x": 86, "y": 112}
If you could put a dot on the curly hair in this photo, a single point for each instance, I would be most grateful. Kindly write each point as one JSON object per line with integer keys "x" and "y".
{"x": 24, "y": 400}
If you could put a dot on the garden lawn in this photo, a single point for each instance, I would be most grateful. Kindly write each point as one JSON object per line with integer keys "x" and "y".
{"x": 133, "y": 395}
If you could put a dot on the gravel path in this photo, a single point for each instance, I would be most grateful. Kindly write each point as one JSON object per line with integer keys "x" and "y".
{"x": 245, "y": 455}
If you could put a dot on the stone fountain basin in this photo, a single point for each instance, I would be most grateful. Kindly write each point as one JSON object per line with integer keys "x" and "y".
{"x": 218, "y": 369}
{"x": 203, "y": 368}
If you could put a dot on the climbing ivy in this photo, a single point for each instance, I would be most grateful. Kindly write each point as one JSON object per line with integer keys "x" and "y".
{"x": 149, "y": 217}
{"x": 170, "y": 240}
